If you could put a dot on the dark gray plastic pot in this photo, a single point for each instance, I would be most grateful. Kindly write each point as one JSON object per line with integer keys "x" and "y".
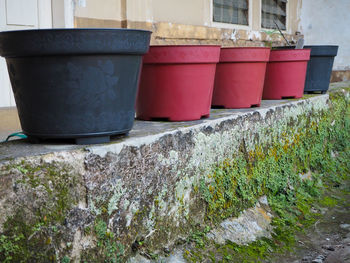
{"x": 319, "y": 68}
{"x": 75, "y": 83}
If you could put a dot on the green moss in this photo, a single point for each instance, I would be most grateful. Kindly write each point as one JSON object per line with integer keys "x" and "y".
{"x": 108, "y": 249}
{"x": 34, "y": 239}
{"x": 310, "y": 144}
{"x": 305, "y": 97}
{"x": 329, "y": 201}
{"x": 65, "y": 259}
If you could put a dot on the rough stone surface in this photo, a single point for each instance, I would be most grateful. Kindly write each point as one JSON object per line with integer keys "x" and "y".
{"x": 252, "y": 224}
{"x": 139, "y": 189}
{"x": 340, "y": 75}
{"x": 143, "y": 132}
{"x": 174, "y": 257}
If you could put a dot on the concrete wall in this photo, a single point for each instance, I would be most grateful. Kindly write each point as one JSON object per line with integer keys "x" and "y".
{"x": 327, "y": 22}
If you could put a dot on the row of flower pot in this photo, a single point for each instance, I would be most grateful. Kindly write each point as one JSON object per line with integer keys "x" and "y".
{"x": 82, "y": 83}
{"x": 179, "y": 83}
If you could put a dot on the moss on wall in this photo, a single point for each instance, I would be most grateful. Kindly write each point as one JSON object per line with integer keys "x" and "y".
{"x": 28, "y": 237}
{"x": 270, "y": 160}
{"x": 321, "y": 148}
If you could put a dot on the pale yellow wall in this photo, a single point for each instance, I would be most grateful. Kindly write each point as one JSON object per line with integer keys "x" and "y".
{"x": 199, "y": 12}
{"x": 101, "y": 9}
{"x": 183, "y": 12}
{"x": 293, "y": 16}
{"x": 193, "y": 12}
{"x": 140, "y": 10}
{"x": 256, "y": 14}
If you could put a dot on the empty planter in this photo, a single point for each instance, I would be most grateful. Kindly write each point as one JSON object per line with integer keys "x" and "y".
{"x": 319, "y": 68}
{"x": 75, "y": 83}
{"x": 239, "y": 78}
{"x": 285, "y": 74}
{"x": 177, "y": 83}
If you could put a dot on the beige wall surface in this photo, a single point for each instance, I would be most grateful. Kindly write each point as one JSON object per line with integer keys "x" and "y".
{"x": 193, "y": 12}
{"x": 101, "y": 9}
{"x": 182, "y": 21}
{"x": 139, "y": 10}
{"x": 327, "y": 23}
{"x": 188, "y": 12}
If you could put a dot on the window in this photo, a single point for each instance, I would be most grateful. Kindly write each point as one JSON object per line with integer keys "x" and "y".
{"x": 230, "y": 11}
{"x": 274, "y": 11}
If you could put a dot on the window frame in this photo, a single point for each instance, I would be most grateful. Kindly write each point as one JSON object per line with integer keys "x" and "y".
{"x": 286, "y": 31}
{"x": 229, "y": 25}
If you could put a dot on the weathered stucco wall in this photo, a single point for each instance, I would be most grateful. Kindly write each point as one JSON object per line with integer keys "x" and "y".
{"x": 139, "y": 193}
{"x": 326, "y": 22}
{"x": 184, "y": 22}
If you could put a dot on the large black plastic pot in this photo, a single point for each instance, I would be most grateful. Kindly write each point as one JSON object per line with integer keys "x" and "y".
{"x": 75, "y": 83}
{"x": 319, "y": 68}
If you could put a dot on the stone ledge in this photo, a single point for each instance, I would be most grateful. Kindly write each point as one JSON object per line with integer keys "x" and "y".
{"x": 137, "y": 189}
{"x": 143, "y": 132}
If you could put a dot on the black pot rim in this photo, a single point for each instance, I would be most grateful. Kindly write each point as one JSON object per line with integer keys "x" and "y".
{"x": 73, "y": 41}
{"x": 316, "y": 50}
{"x": 335, "y": 46}
{"x": 75, "y": 29}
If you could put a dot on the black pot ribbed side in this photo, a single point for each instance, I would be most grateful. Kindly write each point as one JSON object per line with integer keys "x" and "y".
{"x": 75, "y": 83}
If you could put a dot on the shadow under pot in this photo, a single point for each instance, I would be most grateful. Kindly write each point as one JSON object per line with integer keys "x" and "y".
{"x": 239, "y": 78}
{"x": 75, "y": 83}
{"x": 319, "y": 68}
{"x": 177, "y": 83}
{"x": 285, "y": 74}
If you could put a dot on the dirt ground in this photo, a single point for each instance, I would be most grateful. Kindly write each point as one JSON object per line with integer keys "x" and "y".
{"x": 328, "y": 239}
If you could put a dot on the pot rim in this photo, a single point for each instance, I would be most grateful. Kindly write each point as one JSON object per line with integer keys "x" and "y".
{"x": 316, "y": 50}
{"x": 241, "y": 55}
{"x": 179, "y": 46}
{"x": 71, "y": 41}
{"x": 323, "y": 50}
{"x": 183, "y": 54}
{"x": 74, "y": 29}
{"x": 289, "y": 50}
{"x": 293, "y": 46}
{"x": 321, "y": 45}
{"x": 285, "y": 55}
{"x": 245, "y": 48}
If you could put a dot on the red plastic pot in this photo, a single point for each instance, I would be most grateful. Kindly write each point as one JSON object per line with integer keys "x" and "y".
{"x": 177, "y": 83}
{"x": 285, "y": 74}
{"x": 239, "y": 78}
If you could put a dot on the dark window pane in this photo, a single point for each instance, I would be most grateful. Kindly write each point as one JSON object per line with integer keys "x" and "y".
{"x": 274, "y": 11}
{"x": 231, "y": 11}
